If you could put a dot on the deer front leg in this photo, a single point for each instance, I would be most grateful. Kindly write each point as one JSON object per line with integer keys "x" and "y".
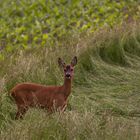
{"x": 64, "y": 108}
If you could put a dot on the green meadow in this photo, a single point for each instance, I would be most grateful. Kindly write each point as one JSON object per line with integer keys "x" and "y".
{"x": 104, "y": 35}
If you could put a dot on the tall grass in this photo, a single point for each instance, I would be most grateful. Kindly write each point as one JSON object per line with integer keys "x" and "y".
{"x": 104, "y": 103}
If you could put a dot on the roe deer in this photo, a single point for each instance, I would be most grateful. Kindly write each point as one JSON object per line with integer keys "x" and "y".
{"x": 49, "y": 97}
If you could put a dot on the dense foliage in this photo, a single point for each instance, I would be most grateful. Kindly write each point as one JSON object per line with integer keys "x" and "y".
{"x": 37, "y": 23}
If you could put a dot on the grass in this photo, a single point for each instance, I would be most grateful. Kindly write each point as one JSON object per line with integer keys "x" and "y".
{"x": 104, "y": 103}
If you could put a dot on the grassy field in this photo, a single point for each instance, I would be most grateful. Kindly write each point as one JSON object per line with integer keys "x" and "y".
{"x": 105, "y": 99}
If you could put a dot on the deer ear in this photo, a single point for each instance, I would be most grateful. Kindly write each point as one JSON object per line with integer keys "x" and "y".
{"x": 74, "y": 61}
{"x": 61, "y": 63}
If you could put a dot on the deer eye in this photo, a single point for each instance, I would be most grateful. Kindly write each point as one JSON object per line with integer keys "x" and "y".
{"x": 71, "y": 69}
{"x": 64, "y": 70}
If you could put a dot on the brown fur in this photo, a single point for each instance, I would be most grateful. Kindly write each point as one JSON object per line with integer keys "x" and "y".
{"x": 49, "y": 97}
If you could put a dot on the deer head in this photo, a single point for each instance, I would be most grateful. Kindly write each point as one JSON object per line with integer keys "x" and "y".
{"x": 68, "y": 69}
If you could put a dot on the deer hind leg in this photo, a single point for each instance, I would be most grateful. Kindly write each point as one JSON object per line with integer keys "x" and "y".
{"x": 22, "y": 109}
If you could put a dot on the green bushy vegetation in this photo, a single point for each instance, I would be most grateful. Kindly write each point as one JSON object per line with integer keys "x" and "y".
{"x": 105, "y": 99}
{"x": 33, "y": 23}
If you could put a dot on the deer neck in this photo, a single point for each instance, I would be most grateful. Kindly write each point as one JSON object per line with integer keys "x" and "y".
{"x": 67, "y": 87}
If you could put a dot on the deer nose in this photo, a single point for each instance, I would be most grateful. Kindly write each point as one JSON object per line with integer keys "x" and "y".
{"x": 68, "y": 75}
